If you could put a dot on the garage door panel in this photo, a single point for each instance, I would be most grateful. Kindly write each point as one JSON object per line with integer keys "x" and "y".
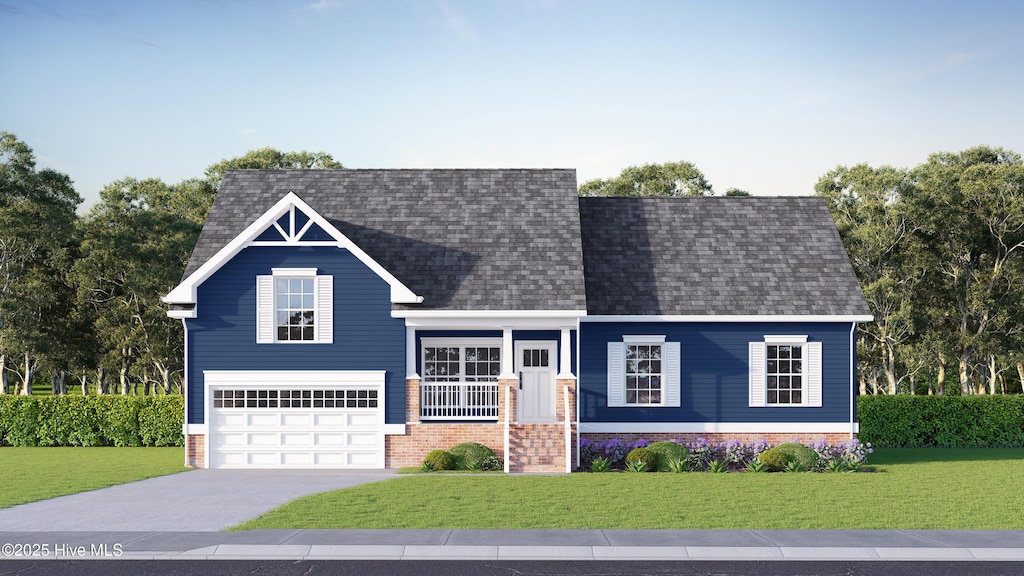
{"x": 298, "y": 427}
{"x": 264, "y": 439}
{"x": 296, "y": 439}
{"x": 288, "y": 420}
{"x": 296, "y": 458}
{"x": 234, "y": 440}
{"x": 222, "y": 419}
{"x": 362, "y": 420}
{"x": 357, "y": 439}
{"x": 362, "y": 459}
{"x": 268, "y": 420}
{"x": 331, "y": 420}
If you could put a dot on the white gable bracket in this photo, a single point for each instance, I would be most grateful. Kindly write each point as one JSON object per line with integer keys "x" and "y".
{"x": 185, "y": 293}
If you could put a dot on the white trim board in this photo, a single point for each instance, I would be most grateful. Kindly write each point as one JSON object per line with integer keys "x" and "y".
{"x": 726, "y": 318}
{"x": 719, "y": 427}
{"x": 185, "y": 293}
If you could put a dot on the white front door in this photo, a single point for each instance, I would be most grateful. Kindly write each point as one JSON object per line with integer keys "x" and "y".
{"x": 536, "y": 365}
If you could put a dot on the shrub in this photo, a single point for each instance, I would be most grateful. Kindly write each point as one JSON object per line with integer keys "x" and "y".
{"x": 666, "y": 452}
{"x": 944, "y": 421}
{"x": 614, "y": 450}
{"x": 470, "y": 455}
{"x": 600, "y": 464}
{"x": 778, "y": 458}
{"x": 91, "y": 420}
{"x": 492, "y": 463}
{"x": 644, "y": 456}
{"x": 439, "y": 460}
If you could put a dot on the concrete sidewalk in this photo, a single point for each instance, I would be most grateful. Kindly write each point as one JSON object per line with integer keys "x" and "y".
{"x": 522, "y": 545}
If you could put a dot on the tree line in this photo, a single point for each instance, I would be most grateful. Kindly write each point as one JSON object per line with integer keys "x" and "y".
{"x": 938, "y": 250}
{"x": 80, "y": 295}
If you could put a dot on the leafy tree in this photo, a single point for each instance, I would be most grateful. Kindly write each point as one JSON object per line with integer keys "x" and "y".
{"x": 270, "y": 159}
{"x": 971, "y": 209}
{"x": 869, "y": 208}
{"x": 736, "y": 192}
{"x": 37, "y": 214}
{"x": 135, "y": 244}
{"x": 669, "y": 179}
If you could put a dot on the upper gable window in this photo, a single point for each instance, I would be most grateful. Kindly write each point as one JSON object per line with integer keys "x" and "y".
{"x": 294, "y": 305}
{"x": 294, "y": 309}
{"x": 785, "y": 371}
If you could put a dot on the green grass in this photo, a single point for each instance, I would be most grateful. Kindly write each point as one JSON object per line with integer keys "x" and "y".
{"x": 30, "y": 474}
{"x": 910, "y": 489}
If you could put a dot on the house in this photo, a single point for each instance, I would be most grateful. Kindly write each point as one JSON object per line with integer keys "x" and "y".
{"x": 361, "y": 318}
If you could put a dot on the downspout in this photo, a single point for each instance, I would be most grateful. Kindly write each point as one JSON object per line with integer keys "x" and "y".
{"x": 579, "y": 378}
{"x": 184, "y": 389}
{"x": 853, "y": 364}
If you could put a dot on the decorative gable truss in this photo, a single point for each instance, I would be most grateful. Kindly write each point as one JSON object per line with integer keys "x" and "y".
{"x": 290, "y": 222}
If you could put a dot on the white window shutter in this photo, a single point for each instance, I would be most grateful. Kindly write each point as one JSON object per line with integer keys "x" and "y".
{"x": 672, "y": 371}
{"x": 264, "y": 309}
{"x": 813, "y": 374}
{"x": 325, "y": 309}
{"x": 757, "y": 375}
{"x": 616, "y": 374}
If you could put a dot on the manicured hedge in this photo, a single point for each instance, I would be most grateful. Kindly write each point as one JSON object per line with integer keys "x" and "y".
{"x": 91, "y": 420}
{"x": 946, "y": 421}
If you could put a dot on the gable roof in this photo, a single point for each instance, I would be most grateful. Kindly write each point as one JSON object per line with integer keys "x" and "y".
{"x": 460, "y": 239}
{"x": 716, "y": 256}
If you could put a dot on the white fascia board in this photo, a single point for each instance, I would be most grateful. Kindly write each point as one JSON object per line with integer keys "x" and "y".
{"x": 488, "y": 313}
{"x": 495, "y": 321}
{"x": 718, "y": 427}
{"x": 293, "y": 378}
{"x": 185, "y": 293}
{"x": 725, "y": 318}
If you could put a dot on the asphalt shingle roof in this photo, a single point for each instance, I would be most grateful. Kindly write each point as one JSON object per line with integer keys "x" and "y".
{"x": 716, "y": 256}
{"x": 522, "y": 240}
{"x": 462, "y": 239}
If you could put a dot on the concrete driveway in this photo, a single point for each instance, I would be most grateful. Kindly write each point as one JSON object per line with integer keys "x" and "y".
{"x": 196, "y": 500}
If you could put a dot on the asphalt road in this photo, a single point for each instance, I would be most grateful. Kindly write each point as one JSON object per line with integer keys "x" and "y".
{"x": 470, "y": 568}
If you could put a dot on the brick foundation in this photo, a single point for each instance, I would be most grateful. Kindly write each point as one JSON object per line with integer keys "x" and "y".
{"x": 773, "y": 437}
{"x": 195, "y": 451}
{"x": 401, "y": 451}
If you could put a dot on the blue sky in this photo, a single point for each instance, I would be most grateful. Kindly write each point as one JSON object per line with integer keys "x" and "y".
{"x": 764, "y": 96}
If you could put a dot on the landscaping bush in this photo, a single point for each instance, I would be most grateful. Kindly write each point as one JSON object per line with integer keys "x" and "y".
{"x": 614, "y": 450}
{"x": 470, "y": 455}
{"x": 666, "y": 452}
{"x": 91, "y": 420}
{"x": 944, "y": 421}
{"x": 645, "y": 456}
{"x": 776, "y": 459}
{"x": 490, "y": 463}
{"x": 438, "y": 460}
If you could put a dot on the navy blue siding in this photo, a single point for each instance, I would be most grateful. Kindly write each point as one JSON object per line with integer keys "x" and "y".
{"x": 516, "y": 336}
{"x": 366, "y": 337}
{"x": 714, "y": 381}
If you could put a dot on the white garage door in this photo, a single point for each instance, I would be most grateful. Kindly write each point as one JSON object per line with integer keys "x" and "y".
{"x": 296, "y": 426}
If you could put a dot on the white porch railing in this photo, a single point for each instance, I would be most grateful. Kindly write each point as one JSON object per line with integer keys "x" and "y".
{"x": 458, "y": 401}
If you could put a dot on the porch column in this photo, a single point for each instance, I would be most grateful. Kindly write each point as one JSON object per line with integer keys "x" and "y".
{"x": 565, "y": 357}
{"x": 410, "y": 354}
{"x": 507, "y": 364}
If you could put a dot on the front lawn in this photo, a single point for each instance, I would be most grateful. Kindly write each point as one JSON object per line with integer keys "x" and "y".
{"x": 910, "y": 489}
{"x": 30, "y": 474}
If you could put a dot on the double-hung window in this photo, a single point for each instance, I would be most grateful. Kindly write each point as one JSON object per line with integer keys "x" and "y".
{"x": 466, "y": 360}
{"x": 785, "y": 371}
{"x": 643, "y": 371}
{"x": 294, "y": 305}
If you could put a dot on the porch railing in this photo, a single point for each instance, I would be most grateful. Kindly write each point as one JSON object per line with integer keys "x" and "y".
{"x": 458, "y": 401}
